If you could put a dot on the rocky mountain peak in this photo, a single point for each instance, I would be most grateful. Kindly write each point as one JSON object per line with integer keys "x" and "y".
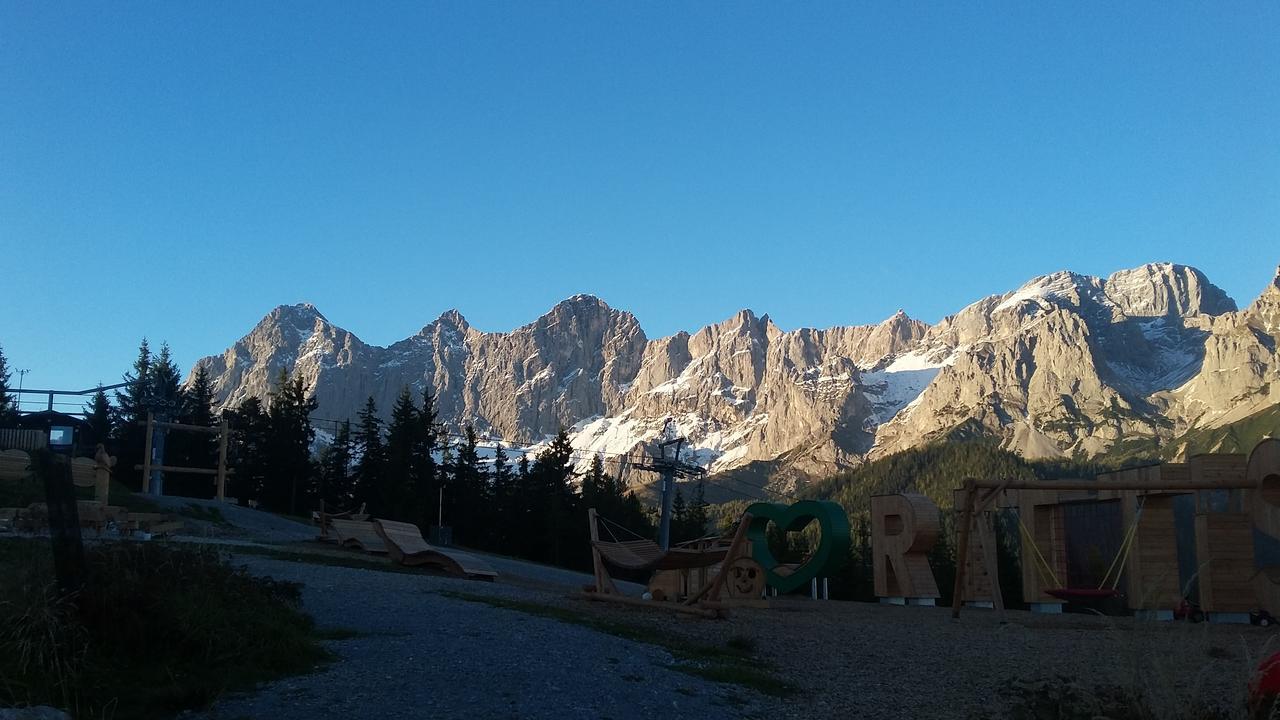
{"x": 452, "y": 319}
{"x": 1165, "y": 289}
{"x": 1067, "y": 363}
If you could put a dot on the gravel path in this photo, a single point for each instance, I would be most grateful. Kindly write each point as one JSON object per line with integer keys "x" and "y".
{"x": 421, "y": 654}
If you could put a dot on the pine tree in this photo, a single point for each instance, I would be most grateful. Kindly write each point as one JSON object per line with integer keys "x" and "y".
{"x": 550, "y": 480}
{"x": 679, "y": 519}
{"x": 98, "y": 414}
{"x": 394, "y": 496}
{"x": 132, "y": 405}
{"x": 166, "y": 384}
{"x": 336, "y": 482}
{"x": 696, "y": 516}
{"x": 194, "y": 449}
{"x": 501, "y": 492}
{"x": 289, "y": 449}
{"x": 8, "y": 401}
{"x": 248, "y": 450}
{"x": 426, "y": 474}
{"x": 368, "y": 443}
{"x": 468, "y": 501}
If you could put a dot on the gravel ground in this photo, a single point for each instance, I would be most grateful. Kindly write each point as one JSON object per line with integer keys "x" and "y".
{"x": 425, "y": 652}
{"x": 861, "y": 660}
{"x": 421, "y": 654}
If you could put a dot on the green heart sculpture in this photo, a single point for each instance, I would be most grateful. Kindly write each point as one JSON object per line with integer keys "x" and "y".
{"x": 833, "y": 549}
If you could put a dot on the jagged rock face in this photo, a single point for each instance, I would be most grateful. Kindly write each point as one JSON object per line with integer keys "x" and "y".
{"x": 1070, "y": 363}
{"x": 1240, "y": 373}
{"x": 1065, "y": 364}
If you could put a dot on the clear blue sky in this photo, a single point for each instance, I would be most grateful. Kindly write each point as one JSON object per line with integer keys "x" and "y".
{"x": 175, "y": 170}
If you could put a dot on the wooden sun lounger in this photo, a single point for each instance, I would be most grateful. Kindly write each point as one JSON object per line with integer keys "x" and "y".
{"x": 358, "y": 535}
{"x": 406, "y": 547}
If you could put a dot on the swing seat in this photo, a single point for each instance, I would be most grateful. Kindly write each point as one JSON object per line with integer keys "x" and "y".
{"x": 1082, "y": 595}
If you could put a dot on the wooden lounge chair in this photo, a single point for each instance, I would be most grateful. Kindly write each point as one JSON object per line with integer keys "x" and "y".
{"x": 357, "y": 535}
{"x": 325, "y": 519}
{"x": 406, "y": 547}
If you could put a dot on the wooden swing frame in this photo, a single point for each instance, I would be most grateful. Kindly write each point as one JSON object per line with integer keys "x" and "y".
{"x": 707, "y": 602}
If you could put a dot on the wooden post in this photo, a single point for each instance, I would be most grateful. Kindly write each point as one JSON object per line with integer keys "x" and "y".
{"x": 604, "y": 583}
{"x": 64, "y": 520}
{"x": 962, "y": 551}
{"x": 736, "y": 549}
{"x": 146, "y": 455}
{"x": 993, "y": 565}
{"x": 222, "y": 461}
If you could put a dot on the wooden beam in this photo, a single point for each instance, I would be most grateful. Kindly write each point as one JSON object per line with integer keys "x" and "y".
{"x": 712, "y": 590}
{"x": 146, "y": 455}
{"x": 991, "y": 562}
{"x": 962, "y": 552}
{"x": 653, "y": 604}
{"x": 222, "y": 461}
{"x": 188, "y": 470}
{"x": 183, "y": 426}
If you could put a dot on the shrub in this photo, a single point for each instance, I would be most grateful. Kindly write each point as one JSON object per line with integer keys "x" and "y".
{"x": 156, "y": 629}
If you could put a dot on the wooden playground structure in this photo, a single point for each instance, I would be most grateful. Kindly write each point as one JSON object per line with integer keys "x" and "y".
{"x": 148, "y": 467}
{"x": 97, "y": 514}
{"x": 705, "y": 593}
{"x": 1230, "y": 505}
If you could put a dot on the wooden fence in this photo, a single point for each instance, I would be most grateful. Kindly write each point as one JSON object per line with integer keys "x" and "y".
{"x": 23, "y": 440}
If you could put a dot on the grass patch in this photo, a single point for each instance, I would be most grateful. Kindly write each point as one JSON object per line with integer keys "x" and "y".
{"x": 204, "y": 514}
{"x": 311, "y": 558}
{"x": 731, "y": 664}
{"x": 157, "y": 629}
{"x": 337, "y": 633}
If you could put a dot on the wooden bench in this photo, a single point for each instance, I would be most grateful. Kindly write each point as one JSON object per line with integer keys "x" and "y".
{"x": 15, "y": 466}
{"x": 358, "y": 535}
{"x": 406, "y": 547}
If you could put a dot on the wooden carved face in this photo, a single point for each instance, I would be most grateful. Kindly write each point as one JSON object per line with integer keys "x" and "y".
{"x": 745, "y": 579}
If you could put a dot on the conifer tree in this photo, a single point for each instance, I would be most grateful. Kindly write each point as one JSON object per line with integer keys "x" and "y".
{"x": 98, "y": 414}
{"x": 166, "y": 384}
{"x": 679, "y": 519}
{"x": 467, "y": 501}
{"x": 8, "y": 401}
{"x": 249, "y": 450}
{"x": 552, "y": 494}
{"x": 336, "y": 487}
{"x": 192, "y": 449}
{"x": 394, "y": 495}
{"x": 368, "y": 443}
{"x": 426, "y": 473}
{"x": 501, "y": 492}
{"x": 132, "y": 405}
{"x": 291, "y": 436}
{"x": 696, "y": 515}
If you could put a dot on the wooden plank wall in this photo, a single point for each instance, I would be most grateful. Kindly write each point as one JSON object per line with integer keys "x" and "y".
{"x": 1152, "y": 566}
{"x": 977, "y": 581}
{"x": 1224, "y": 554}
{"x": 1040, "y": 513}
{"x": 23, "y": 440}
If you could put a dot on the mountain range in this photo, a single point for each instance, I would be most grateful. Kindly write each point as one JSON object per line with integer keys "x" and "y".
{"x": 1066, "y": 365}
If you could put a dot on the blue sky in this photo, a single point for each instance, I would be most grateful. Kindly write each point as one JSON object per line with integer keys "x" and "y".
{"x": 175, "y": 170}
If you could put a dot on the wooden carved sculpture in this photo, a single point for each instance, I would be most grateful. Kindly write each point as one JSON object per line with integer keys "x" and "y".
{"x": 903, "y": 530}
